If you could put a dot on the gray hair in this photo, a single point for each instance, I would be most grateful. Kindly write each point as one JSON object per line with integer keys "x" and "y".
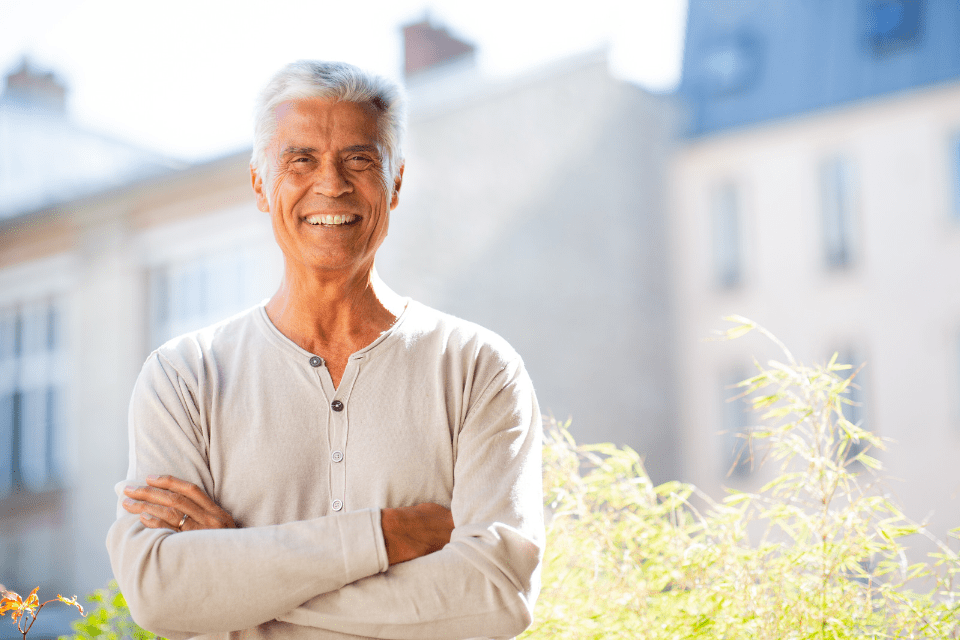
{"x": 335, "y": 80}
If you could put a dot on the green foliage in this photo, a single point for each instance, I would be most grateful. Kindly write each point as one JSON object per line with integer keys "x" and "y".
{"x": 108, "y": 619}
{"x": 818, "y": 552}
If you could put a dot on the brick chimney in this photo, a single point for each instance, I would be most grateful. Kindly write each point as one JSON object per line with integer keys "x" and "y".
{"x": 427, "y": 47}
{"x": 35, "y": 90}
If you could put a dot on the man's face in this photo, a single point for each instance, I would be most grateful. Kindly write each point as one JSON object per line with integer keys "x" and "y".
{"x": 330, "y": 192}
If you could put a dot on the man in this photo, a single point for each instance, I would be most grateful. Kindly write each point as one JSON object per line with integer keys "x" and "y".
{"x": 339, "y": 462}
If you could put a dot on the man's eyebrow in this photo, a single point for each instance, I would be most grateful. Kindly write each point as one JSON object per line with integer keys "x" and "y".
{"x": 294, "y": 151}
{"x": 369, "y": 148}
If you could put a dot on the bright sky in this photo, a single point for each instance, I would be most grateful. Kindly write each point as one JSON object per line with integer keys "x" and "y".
{"x": 180, "y": 76}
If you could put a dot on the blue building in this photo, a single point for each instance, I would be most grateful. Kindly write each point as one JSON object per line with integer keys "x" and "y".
{"x": 750, "y": 61}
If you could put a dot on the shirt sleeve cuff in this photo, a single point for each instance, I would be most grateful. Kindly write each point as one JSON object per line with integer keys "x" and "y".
{"x": 365, "y": 552}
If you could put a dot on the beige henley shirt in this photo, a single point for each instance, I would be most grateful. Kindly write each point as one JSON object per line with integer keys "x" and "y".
{"x": 435, "y": 410}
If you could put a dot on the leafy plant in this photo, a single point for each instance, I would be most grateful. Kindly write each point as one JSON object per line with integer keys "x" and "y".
{"x": 109, "y": 620}
{"x": 25, "y": 612}
{"x": 818, "y": 552}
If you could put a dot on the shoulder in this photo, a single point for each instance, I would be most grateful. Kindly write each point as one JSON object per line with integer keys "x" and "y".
{"x": 189, "y": 354}
{"x": 429, "y": 328}
{"x": 469, "y": 356}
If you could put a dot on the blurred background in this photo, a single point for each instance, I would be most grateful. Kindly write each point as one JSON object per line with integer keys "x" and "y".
{"x": 599, "y": 186}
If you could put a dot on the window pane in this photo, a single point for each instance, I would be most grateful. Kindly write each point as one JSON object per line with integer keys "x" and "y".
{"x": 195, "y": 293}
{"x": 33, "y": 438}
{"x": 854, "y": 411}
{"x": 34, "y": 329}
{"x": 54, "y": 328}
{"x": 893, "y": 24}
{"x": 8, "y": 334}
{"x": 30, "y": 402}
{"x": 837, "y": 201}
{"x": 735, "y": 420}
{"x": 54, "y": 433}
{"x": 726, "y": 225}
{"x": 7, "y": 450}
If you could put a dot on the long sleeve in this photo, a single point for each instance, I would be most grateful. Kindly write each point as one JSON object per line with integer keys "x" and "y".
{"x": 486, "y": 580}
{"x": 183, "y": 584}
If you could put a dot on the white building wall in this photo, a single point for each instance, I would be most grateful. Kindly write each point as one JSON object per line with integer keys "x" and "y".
{"x": 535, "y": 209}
{"x": 897, "y": 303}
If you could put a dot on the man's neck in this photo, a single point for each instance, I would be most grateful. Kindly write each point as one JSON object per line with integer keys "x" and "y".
{"x": 334, "y": 317}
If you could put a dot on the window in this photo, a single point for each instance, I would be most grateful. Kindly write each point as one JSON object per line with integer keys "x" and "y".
{"x": 735, "y": 420}
{"x": 191, "y": 294}
{"x": 838, "y": 203}
{"x": 726, "y": 236}
{"x": 893, "y": 24}
{"x": 955, "y": 161}
{"x": 732, "y": 62}
{"x": 31, "y": 395}
{"x": 854, "y": 410}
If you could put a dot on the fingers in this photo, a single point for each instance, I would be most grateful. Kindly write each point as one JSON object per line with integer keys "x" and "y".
{"x": 152, "y": 512}
{"x": 165, "y": 502}
{"x": 184, "y": 489}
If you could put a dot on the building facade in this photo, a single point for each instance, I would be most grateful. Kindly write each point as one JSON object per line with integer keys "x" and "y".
{"x": 818, "y": 193}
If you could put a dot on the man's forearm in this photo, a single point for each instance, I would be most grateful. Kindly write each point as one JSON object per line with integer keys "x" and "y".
{"x": 175, "y": 583}
{"x": 484, "y": 583}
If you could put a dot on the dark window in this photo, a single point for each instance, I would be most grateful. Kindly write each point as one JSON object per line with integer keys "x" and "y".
{"x": 838, "y": 205}
{"x": 735, "y": 416}
{"x": 893, "y": 24}
{"x": 731, "y": 62}
{"x": 31, "y": 412}
{"x": 726, "y": 236}
{"x": 8, "y": 455}
{"x": 853, "y": 410}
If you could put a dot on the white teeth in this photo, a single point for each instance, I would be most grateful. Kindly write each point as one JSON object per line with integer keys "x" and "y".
{"x": 318, "y": 219}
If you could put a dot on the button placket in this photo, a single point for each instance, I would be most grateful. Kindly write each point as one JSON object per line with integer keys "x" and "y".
{"x": 339, "y": 424}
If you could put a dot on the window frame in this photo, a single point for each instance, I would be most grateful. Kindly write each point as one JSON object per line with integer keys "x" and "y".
{"x": 726, "y": 223}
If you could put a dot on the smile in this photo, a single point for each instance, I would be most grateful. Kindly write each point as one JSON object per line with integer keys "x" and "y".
{"x": 331, "y": 220}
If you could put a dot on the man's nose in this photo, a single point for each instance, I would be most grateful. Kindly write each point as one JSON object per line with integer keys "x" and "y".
{"x": 330, "y": 180}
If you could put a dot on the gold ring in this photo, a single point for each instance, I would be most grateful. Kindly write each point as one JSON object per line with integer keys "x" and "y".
{"x": 182, "y": 521}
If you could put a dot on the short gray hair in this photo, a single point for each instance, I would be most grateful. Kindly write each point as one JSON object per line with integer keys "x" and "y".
{"x": 335, "y": 80}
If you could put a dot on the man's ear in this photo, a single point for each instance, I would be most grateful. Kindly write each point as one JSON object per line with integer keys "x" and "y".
{"x": 262, "y": 202}
{"x": 395, "y": 195}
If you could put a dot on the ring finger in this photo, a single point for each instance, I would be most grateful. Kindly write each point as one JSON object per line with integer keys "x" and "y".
{"x": 157, "y": 516}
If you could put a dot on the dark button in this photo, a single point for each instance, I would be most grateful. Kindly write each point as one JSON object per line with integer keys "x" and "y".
{"x": 316, "y": 361}
{"x": 336, "y": 405}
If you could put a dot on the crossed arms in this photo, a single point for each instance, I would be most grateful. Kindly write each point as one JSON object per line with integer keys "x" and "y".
{"x": 342, "y": 573}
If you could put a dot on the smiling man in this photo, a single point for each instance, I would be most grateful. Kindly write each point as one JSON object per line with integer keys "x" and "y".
{"x": 341, "y": 461}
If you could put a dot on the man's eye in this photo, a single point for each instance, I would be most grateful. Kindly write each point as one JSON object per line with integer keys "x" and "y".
{"x": 301, "y": 163}
{"x": 358, "y": 162}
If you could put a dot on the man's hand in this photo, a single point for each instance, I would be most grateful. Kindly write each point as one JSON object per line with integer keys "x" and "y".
{"x": 412, "y": 532}
{"x": 171, "y": 503}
